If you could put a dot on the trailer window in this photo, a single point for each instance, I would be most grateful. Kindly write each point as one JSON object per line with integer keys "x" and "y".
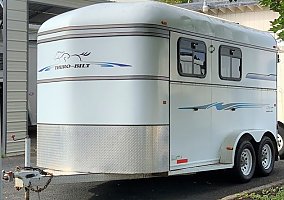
{"x": 230, "y": 63}
{"x": 191, "y": 58}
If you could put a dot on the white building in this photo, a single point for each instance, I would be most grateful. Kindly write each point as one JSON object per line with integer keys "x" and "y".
{"x": 246, "y": 12}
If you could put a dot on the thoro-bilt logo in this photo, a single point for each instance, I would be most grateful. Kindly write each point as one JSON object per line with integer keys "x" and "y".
{"x": 65, "y": 60}
{"x": 61, "y": 55}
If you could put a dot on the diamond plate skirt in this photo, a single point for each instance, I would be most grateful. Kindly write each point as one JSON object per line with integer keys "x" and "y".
{"x": 103, "y": 149}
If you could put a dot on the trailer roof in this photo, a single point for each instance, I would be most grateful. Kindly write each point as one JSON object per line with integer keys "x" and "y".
{"x": 176, "y": 18}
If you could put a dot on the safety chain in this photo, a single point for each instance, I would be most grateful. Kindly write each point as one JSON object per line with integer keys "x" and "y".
{"x": 43, "y": 173}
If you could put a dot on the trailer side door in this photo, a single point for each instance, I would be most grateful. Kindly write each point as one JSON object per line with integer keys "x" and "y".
{"x": 190, "y": 100}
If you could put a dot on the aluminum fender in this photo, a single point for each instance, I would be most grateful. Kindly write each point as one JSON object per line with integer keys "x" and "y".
{"x": 228, "y": 147}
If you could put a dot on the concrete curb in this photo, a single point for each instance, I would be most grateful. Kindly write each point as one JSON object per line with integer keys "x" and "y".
{"x": 234, "y": 196}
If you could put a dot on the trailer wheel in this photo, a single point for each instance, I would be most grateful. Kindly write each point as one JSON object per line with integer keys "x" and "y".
{"x": 280, "y": 145}
{"x": 265, "y": 156}
{"x": 245, "y": 161}
{"x": 280, "y": 137}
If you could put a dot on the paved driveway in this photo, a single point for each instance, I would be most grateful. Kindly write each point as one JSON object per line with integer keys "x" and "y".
{"x": 208, "y": 185}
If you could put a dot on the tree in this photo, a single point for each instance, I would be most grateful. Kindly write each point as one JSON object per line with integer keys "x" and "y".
{"x": 277, "y": 24}
{"x": 176, "y": 1}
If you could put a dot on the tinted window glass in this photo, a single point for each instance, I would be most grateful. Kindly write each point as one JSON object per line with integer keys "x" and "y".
{"x": 230, "y": 63}
{"x": 191, "y": 58}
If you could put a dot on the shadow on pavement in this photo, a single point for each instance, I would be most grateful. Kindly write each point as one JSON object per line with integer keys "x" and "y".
{"x": 175, "y": 187}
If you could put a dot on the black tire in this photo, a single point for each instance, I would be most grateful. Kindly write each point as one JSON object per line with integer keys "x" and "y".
{"x": 245, "y": 162}
{"x": 280, "y": 138}
{"x": 265, "y": 156}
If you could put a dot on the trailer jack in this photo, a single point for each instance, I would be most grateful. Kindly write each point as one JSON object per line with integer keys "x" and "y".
{"x": 28, "y": 178}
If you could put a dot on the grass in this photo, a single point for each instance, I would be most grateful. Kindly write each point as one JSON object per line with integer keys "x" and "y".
{"x": 274, "y": 193}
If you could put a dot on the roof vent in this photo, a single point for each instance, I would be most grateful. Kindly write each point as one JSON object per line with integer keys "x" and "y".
{"x": 205, "y": 7}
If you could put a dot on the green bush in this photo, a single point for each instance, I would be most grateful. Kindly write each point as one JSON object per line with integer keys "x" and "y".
{"x": 274, "y": 193}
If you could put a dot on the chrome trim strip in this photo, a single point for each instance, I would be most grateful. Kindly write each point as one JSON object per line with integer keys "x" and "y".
{"x": 219, "y": 85}
{"x": 107, "y": 26}
{"x": 107, "y": 125}
{"x": 102, "y": 78}
{"x": 111, "y": 34}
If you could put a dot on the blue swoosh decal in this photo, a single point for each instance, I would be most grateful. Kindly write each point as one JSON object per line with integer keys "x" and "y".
{"x": 266, "y": 77}
{"x": 222, "y": 106}
{"x": 111, "y": 64}
{"x": 48, "y": 68}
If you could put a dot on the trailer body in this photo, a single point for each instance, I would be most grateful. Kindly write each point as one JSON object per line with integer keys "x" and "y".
{"x": 147, "y": 88}
{"x": 280, "y": 99}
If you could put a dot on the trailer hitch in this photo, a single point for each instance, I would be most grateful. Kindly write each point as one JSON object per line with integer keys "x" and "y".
{"x": 28, "y": 178}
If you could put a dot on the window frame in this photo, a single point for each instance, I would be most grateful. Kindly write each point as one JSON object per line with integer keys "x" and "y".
{"x": 178, "y": 58}
{"x": 230, "y": 56}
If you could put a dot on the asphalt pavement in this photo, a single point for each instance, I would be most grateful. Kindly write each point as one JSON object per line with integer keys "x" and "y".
{"x": 206, "y": 185}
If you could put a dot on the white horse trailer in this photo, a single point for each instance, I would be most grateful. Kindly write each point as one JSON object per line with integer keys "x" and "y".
{"x": 131, "y": 90}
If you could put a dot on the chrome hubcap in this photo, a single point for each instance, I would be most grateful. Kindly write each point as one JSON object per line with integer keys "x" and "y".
{"x": 266, "y": 156}
{"x": 246, "y": 162}
{"x": 280, "y": 142}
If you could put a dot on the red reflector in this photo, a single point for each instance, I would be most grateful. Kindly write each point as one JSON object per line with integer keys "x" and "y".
{"x": 182, "y": 161}
{"x": 229, "y": 148}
